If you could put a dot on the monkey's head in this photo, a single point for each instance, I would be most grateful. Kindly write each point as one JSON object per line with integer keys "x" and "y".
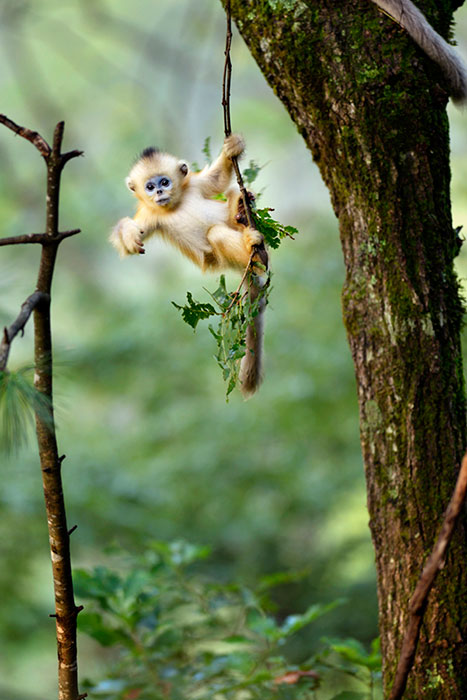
{"x": 158, "y": 179}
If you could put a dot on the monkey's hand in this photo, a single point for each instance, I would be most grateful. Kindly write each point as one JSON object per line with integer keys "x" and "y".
{"x": 127, "y": 237}
{"x": 234, "y": 145}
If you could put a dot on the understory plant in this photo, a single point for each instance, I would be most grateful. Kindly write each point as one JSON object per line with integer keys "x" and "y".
{"x": 181, "y": 636}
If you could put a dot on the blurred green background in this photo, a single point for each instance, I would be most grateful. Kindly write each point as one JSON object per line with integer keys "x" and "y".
{"x": 153, "y": 450}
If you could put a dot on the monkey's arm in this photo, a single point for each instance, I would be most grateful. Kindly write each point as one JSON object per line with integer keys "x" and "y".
{"x": 128, "y": 235}
{"x": 216, "y": 178}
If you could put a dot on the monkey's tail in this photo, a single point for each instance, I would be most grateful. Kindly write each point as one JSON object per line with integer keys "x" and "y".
{"x": 250, "y": 374}
{"x": 405, "y": 13}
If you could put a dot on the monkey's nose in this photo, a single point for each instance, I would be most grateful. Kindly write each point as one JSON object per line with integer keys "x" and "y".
{"x": 159, "y": 191}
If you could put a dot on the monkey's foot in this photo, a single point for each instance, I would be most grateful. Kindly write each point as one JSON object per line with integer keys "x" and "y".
{"x": 127, "y": 237}
{"x": 252, "y": 237}
{"x": 234, "y": 145}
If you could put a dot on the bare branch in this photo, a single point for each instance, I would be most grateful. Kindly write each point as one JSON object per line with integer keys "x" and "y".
{"x": 71, "y": 154}
{"x": 58, "y": 138}
{"x": 18, "y": 325}
{"x": 419, "y": 598}
{"x": 33, "y": 136}
{"x": 65, "y": 608}
{"x": 38, "y": 238}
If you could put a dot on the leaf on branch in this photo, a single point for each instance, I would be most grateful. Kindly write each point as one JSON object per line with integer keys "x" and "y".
{"x": 272, "y": 230}
{"x": 194, "y": 311}
{"x": 251, "y": 173}
{"x": 207, "y": 149}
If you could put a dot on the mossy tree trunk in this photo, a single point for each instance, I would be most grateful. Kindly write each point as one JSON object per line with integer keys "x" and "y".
{"x": 372, "y": 109}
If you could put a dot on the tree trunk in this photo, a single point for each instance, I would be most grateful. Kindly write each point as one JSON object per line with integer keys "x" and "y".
{"x": 371, "y": 108}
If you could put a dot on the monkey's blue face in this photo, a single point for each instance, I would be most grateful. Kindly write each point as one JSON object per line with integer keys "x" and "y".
{"x": 158, "y": 188}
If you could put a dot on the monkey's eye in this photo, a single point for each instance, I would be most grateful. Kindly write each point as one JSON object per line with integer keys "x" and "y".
{"x": 165, "y": 182}
{"x": 150, "y": 186}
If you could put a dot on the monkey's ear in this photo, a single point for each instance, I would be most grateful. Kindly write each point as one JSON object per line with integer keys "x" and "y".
{"x": 183, "y": 167}
{"x": 129, "y": 183}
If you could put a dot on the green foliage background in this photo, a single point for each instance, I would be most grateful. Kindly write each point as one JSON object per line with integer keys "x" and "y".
{"x": 153, "y": 451}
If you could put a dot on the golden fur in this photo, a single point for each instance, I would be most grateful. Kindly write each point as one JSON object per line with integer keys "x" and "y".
{"x": 205, "y": 230}
{"x": 179, "y": 207}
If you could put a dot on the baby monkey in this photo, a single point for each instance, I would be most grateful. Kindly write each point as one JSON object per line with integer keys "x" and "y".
{"x": 177, "y": 204}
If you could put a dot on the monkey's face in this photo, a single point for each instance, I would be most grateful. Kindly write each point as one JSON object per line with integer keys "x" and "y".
{"x": 158, "y": 179}
{"x": 159, "y": 189}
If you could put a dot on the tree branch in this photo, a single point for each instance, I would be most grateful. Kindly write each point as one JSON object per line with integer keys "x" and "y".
{"x": 419, "y": 598}
{"x": 43, "y": 238}
{"x": 18, "y": 325}
{"x": 33, "y": 136}
{"x": 59, "y": 537}
{"x": 65, "y": 608}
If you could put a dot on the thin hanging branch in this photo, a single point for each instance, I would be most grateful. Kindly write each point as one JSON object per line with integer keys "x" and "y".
{"x": 65, "y": 609}
{"x": 226, "y": 83}
{"x": 419, "y": 600}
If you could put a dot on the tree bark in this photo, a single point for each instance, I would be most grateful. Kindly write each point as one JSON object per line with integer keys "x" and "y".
{"x": 371, "y": 108}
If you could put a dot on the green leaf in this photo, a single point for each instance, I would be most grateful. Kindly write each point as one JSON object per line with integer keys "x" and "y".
{"x": 251, "y": 173}
{"x": 263, "y": 625}
{"x": 354, "y": 652}
{"x": 195, "y": 311}
{"x": 92, "y": 624}
{"x": 350, "y": 695}
{"x": 100, "y": 584}
{"x": 207, "y": 149}
{"x": 294, "y": 623}
{"x": 271, "y": 229}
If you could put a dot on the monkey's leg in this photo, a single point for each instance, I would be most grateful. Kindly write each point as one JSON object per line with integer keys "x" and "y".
{"x": 237, "y": 214}
{"x": 232, "y": 247}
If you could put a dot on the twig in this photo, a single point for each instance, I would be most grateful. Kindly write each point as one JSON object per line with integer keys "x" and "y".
{"x": 43, "y": 238}
{"x": 18, "y": 325}
{"x": 226, "y": 82}
{"x": 237, "y": 291}
{"x": 419, "y": 598}
{"x": 32, "y": 136}
{"x": 260, "y": 249}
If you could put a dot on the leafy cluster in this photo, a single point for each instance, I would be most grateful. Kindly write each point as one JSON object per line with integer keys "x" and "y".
{"x": 271, "y": 229}
{"x": 235, "y": 309}
{"x": 181, "y": 636}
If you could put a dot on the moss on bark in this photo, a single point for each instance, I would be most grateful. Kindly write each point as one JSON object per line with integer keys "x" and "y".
{"x": 371, "y": 108}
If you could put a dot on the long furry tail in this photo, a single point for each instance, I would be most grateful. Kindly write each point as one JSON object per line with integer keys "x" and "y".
{"x": 405, "y": 13}
{"x": 250, "y": 375}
